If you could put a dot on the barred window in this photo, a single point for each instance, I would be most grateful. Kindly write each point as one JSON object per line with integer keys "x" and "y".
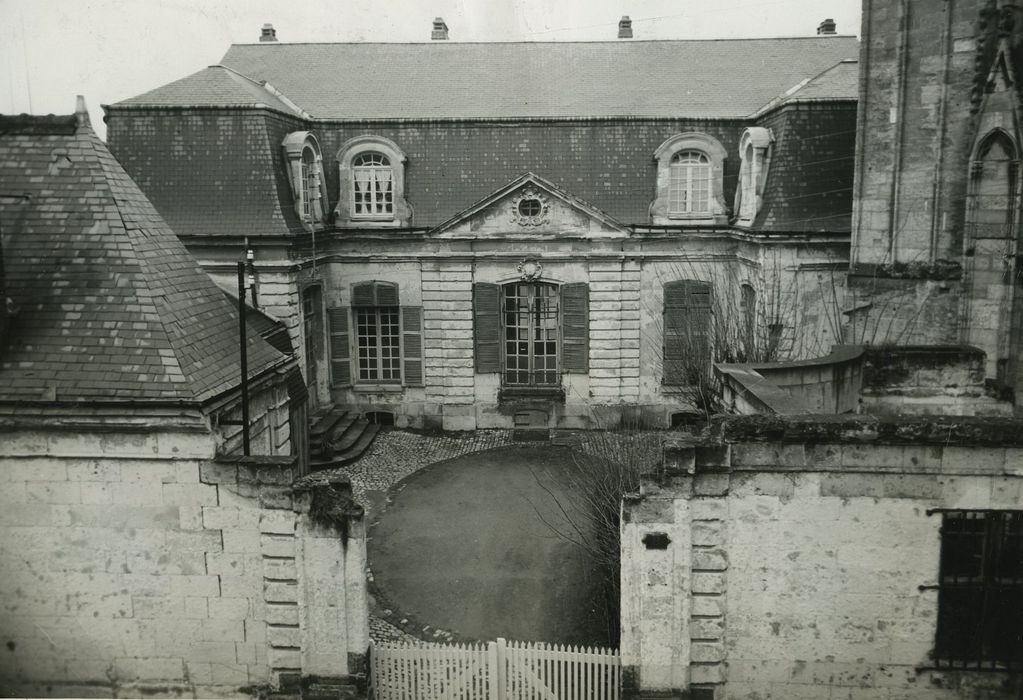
{"x": 372, "y": 186}
{"x": 689, "y": 188}
{"x": 980, "y": 590}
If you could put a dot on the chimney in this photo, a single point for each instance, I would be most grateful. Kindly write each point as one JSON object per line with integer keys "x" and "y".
{"x": 268, "y": 33}
{"x": 440, "y": 29}
{"x": 625, "y": 27}
{"x": 826, "y": 28}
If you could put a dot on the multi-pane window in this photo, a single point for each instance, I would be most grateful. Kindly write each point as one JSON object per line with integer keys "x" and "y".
{"x": 689, "y": 183}
{"x": 379, "y": 344}
{"x": 980, "y": 590}
{"x": 372, "y": 186}
{"x": 310, "y": 183}
{"x": 531, "y": 334}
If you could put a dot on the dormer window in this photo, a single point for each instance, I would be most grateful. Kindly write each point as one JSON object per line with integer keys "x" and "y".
{"x": 755, "y": 152}
{"x": 689, "y": 188}
{"x": 305, "y": 173}
{"x": 690, "y": 170}
{"x": 372, "y": 184}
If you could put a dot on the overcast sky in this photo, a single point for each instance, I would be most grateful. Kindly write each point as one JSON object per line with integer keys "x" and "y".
{"x": 109, "y": 50}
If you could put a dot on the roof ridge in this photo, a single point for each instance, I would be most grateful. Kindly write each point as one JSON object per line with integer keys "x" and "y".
{"x": 620, "y": 42}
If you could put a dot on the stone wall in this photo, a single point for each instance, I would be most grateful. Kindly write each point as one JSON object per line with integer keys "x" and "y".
{"x": 135, "y": 563}
{"x": 798, "y": 557}
{"x": 935, "y": 380}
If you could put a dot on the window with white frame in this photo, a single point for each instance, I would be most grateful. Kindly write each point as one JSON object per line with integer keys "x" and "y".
{"x": 689, "y": 188}
{"x": 305, "y": 173}
{"x": 379, "y": 343}
{"x": 372, "y": 184}
{"x": 690, "y": 173}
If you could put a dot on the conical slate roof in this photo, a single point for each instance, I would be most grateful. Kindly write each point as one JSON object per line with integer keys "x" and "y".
{"x": 109, "y": 303}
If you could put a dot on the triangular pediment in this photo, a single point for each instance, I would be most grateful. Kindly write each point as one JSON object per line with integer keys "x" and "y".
{"x": 531, "y": 206}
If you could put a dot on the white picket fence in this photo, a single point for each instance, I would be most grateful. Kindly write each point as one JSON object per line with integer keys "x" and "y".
{"x": 496, "y": 671}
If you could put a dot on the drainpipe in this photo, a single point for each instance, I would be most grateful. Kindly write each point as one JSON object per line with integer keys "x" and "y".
{"x": 243, "y": 350}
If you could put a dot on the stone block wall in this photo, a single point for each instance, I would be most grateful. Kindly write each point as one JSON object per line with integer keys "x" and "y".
{"x": 136, "y": 564}
{"x": 803, "y": 557}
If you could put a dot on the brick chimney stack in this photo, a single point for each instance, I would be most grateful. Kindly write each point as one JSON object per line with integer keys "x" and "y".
{"x": 268, "y": 33}
{"x": 826, "y": 28}
{"x": 440, "y": 29}
{"x": 625, "y": 27}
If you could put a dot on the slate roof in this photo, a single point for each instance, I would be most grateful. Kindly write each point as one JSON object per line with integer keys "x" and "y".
{"x": 110, "y": 305}
{"x": 213, "y": 86}
{"x": 438, "y": 80}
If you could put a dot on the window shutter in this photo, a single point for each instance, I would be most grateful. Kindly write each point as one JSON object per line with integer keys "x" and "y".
{"x": 340, "y": 354}
{"x": 486, "y": 310}
{"x": 412, "y": 344}
{"x": 687, "y": 324}
{"x": 363, "y": 294}
{"x": 575, "y": 327}
{"x": 387, "y": 294}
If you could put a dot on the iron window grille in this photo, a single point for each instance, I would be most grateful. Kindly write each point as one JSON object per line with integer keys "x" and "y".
{"x": 980, "y": 591}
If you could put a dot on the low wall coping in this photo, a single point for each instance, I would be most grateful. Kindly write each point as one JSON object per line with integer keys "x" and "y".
{"x": 878, "y": 429}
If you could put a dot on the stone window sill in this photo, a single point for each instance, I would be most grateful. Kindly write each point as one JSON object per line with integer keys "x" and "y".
{"x": 377, "y": 388}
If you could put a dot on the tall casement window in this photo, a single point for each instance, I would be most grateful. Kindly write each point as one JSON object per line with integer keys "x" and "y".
{"x": 305, "y": 173}
{"x": 689, "y": 189}
{"x": 372, "y": 184}
{"x": 310, "y": 183}
{"x": 690, "y": 174}
{"x": 384, "y": 345}
{"x": 687, "y": 331}
{"x": 980, "y": 590}
{"x": 531, "y": 332}
{"x": 748, "y": 319}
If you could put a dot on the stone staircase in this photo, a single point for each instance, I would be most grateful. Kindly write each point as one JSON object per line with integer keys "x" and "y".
{"x": 338, "y": 436}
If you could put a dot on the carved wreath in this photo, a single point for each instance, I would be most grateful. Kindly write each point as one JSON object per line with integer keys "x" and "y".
{"x": 530, "y": 208}
{"x": 530, "y": 269}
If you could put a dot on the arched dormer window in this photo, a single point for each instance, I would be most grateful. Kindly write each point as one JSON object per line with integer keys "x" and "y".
{"x": 755, "y": 152}
{"x": 689, "y": 186}
{"x": 372, "y": 183}
{"x": 690, "y": 169}
{"x": 305, "y": 174}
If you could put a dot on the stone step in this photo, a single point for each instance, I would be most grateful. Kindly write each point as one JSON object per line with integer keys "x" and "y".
{"x": 325, "y": 422}
{"x": 356, "y": 441}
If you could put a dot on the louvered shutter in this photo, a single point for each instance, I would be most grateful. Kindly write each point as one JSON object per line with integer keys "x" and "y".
{"x": 486, "y": 312}
{"x": 412, "y": 344}
{"x": 387, "y": 294}
{"x": 340, "y": 354}
{"x": 575, "y": 327}
{"x": 364, "y": 294}
{"x": 687, "y": 327}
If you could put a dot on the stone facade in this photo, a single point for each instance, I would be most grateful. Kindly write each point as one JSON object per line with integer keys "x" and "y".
{"x": 800, "y": 557}
{"x": 936, "y": 210}
{"x": 137, "y": 563}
